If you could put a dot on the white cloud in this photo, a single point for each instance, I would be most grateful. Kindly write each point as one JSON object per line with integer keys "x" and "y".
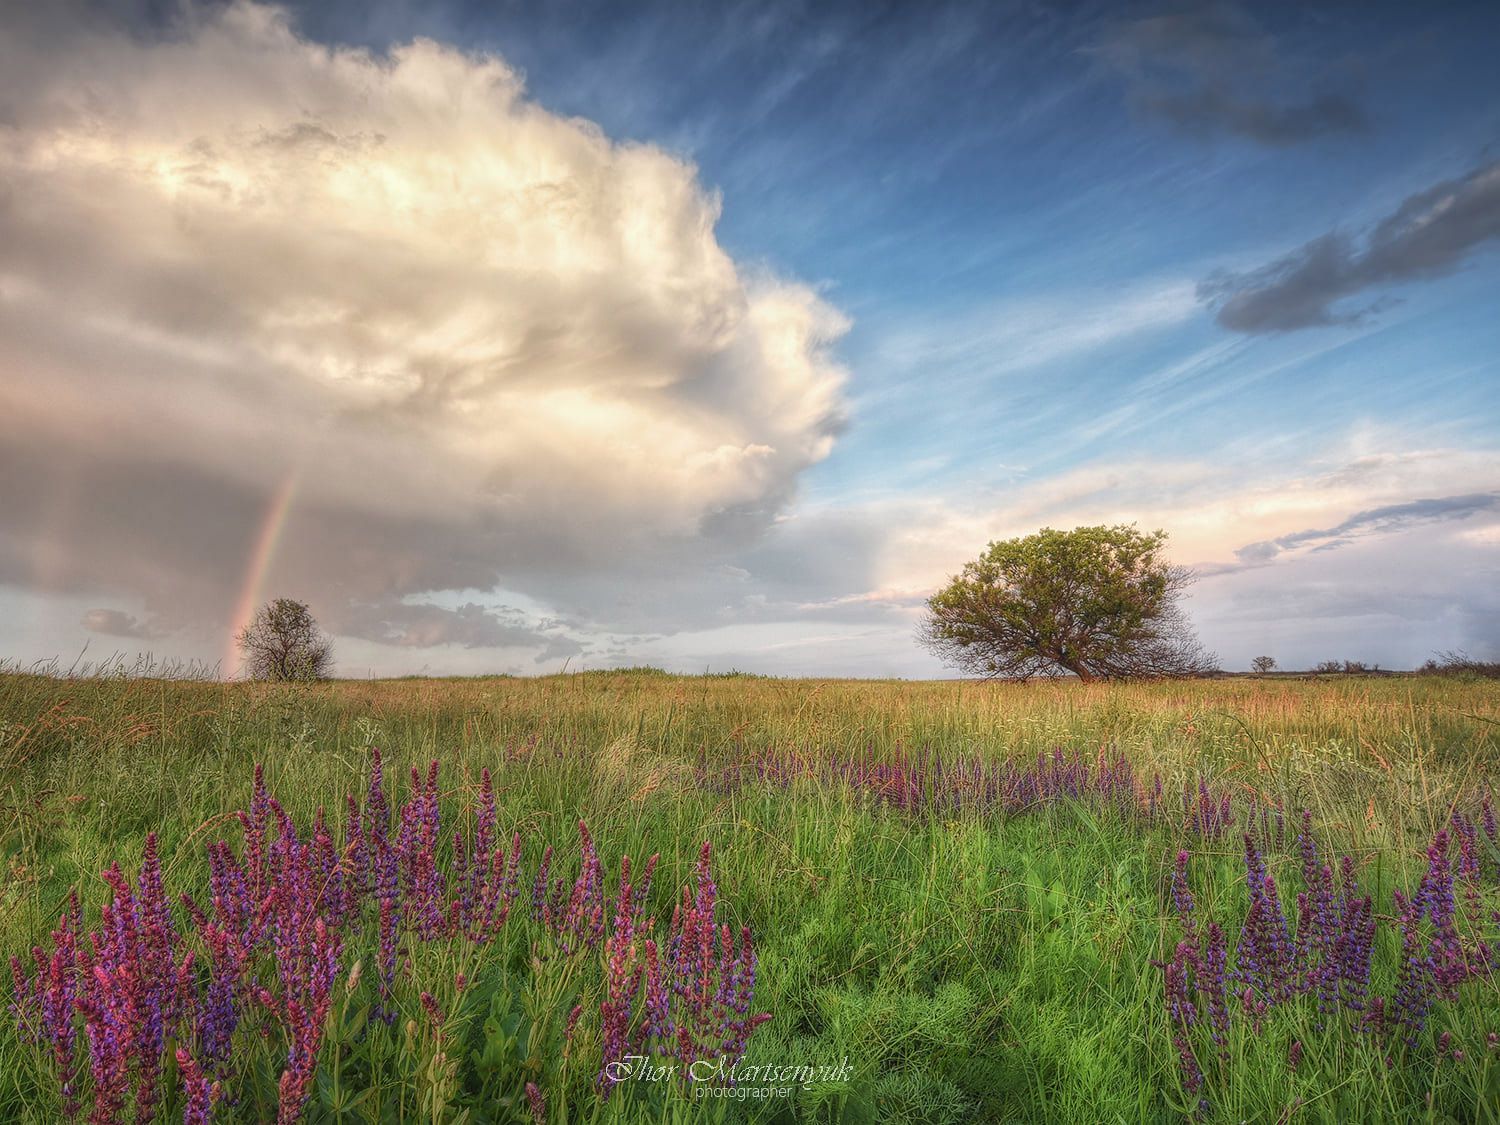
{"x": 484, "y": 338}
{"x": 1487, "y": 535}
{"x": 1414, "y": 574}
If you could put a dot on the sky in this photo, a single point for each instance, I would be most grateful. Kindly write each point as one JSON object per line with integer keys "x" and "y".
{"x": 523, "y": 337}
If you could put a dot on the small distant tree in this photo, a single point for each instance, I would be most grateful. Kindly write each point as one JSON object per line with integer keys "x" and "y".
{"x": 1263, "y": 664}
{"x": 1099, "y": 602}
{"x": 283, "y": 642}
{"x": 1328, "y": 667}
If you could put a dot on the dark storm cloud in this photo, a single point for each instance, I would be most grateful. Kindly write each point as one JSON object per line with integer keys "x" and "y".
{"x": 1215, "y": 108}
{"x": 116, "y": 623}
{"x": 1376, "y": 521}
{"x": 1429, "y": 235}
{"x": 558, "y": 648}
{"x": 1211, "y": 70}
{"x": 423, "y": 626}
{"x": 1481, "y": 638}
{"x": 800, "y": 568}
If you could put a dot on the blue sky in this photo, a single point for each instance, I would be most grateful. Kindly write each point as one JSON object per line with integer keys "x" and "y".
{"x": 934, "y": 275}
{"x": 969, "y": 184}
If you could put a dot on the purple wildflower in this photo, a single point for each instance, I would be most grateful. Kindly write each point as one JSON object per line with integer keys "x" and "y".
{"x": 199, "y": 1093}
{"x": 1182, "y": 895}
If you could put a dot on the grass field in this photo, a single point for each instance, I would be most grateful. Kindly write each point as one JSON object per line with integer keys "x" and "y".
{"x": 945, "y": 952}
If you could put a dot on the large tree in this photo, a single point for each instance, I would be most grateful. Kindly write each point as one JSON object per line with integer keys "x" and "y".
{"x": 1099, "y": 602}
{"x": 283, "y": 642}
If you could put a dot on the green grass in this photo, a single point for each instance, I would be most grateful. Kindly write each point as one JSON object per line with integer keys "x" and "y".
{"x": 968, "y": 969}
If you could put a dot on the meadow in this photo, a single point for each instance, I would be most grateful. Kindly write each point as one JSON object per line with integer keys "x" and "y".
{"x": 964, "y": 902}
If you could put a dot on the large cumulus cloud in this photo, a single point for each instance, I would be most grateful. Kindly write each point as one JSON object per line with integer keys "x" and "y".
{"x": 479, "y": 342}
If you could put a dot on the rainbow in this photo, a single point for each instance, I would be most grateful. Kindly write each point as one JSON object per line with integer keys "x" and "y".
{"x": 266, "y": 539}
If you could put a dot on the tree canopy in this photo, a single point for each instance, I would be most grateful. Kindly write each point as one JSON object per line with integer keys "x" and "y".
{"x": 1097, "y": 602}
{"x": 283, "y": 642}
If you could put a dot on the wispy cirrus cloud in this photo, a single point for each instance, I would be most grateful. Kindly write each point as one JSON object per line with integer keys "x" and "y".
{"x": 1026, "y": 333}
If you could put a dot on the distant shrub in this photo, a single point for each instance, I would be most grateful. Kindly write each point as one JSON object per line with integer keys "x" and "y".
{"x": 1460, "y": 664}
{"x": 1349, "y": 668}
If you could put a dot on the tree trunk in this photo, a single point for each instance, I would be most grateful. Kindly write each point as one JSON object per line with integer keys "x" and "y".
{"x": 1077, "y": 668}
